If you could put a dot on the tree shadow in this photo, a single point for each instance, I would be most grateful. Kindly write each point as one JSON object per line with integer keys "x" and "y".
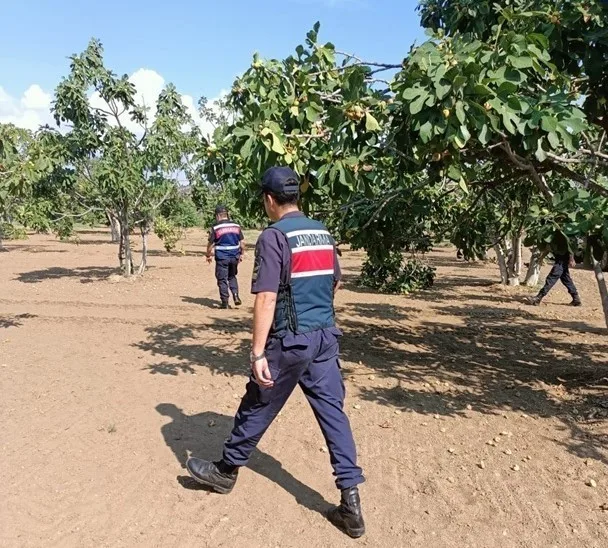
{"x": 488, "y": 358}
{"x": 202, "y": 435}
{"x": 183, "y": 253}
{"x": 86, "y": 274}
{"x": 88, "y": 241}
{"x": 465, "y": 352}
{"x": 33, "y": 248}
{"x": 221, "y": 346}
{"x": 202, "y": 301}
{"x": 14, "y": 321}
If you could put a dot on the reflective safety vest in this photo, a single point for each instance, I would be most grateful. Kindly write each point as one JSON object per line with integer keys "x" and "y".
{"x": 305, "y": 301}
{"x": 227, "y": 240}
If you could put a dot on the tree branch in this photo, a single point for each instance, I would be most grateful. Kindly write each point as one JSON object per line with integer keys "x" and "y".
{"x": 586, "y": 182}
{"x": 524, "y": 165}
{"x": 76, "y": 215}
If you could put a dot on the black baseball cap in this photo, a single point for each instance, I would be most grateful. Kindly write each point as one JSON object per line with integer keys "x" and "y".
{"x": 280, "y": 180}
{"x": 220, "y": 209}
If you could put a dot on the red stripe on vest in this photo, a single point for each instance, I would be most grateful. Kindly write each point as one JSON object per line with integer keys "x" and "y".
{"x": 309, "y": 261}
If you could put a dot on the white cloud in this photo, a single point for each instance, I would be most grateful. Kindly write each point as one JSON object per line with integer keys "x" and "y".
{"x": 32, "y": 109}
{"x": 35, "y": 98}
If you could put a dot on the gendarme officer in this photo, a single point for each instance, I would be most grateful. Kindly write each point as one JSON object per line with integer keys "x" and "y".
{"x": 226, "y": 241}
{"x": 295, "y": 342}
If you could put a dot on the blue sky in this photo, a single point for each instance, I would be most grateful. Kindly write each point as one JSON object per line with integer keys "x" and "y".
{"x": 200, "y": 46}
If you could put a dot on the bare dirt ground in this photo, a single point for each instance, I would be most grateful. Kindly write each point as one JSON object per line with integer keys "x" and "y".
{"x": 480, "y": 422}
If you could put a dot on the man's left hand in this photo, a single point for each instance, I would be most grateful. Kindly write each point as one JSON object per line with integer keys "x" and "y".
{"x": 261, "y": 372}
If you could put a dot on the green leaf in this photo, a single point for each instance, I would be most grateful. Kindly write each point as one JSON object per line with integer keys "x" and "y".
{"x": 549, "y": 124}
{"x": 246, "y": 149}
{"x": 554, "y": 140}
{"x": 371, "y": 124}
{"x": 417, "y": 105}
{"x": 463, "y": 185}
{"x": 481, "y": 89}
{"x": 462, "y": 117}
{"x": 277, "y": 146}
{"x": 540, "y": 54}
{"x": 540, "y": 154}
{"x": 540, "y": 39}
{"x": 242, "y": 132}
{"x": 426, "y": 132}
{"x": 410, "y": 94}
{"x": 523, "y": 62}
{"x": 295, "y": 110}
{"x": 514, "y": 104}
{"x": 510, "y": 121}
{"x": 576, "y": 125}
{"x": 507, "y": 88}
{"x": 484, "y": 135}
{"x": 442, "y": 89}
{"x": 454, "y": 173}
{"x": 313, "y": 112}
{"x": 465, "y": 133}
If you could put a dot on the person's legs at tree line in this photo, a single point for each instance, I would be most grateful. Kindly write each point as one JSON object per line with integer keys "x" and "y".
{"x": 560, "y": 271}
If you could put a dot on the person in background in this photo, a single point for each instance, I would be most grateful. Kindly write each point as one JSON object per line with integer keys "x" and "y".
{"x": 295, "y": 343}
{"x": 227, "y": 243}
{"x": 564, "y": 261}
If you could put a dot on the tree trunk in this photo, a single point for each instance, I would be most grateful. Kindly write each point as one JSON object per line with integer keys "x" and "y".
{"x": 144, "y": 251}
{"x": 126, "y": 257}
{"x": 601, "y": 284}
{"x": 502, "y": 264}
{"x": 536, "y": 262}
{"x": 514, "y": 262}
{"x": 114, "y": 227}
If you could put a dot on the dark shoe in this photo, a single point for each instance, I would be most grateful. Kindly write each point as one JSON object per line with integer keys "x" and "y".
{"x": 208, "y": 474}
{"x": 534, "y": 301}
{"x": 348, "y": 516}
{"x": 224, "y": 305}
{"x": 576, "y": 301}
{"x": 237, "y": 301}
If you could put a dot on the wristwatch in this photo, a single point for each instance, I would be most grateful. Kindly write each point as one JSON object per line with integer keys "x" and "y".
{"x": 253, "y": 358}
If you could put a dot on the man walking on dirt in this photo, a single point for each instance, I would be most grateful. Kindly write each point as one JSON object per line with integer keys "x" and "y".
{"x": 295, "y": 342}
{"x": 226, "y": 239}
{"x": 564, "y": 260}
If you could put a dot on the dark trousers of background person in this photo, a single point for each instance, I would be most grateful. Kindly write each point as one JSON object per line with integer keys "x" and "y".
{"x": 226, "y": 271}
{"x": 560, "y": 271}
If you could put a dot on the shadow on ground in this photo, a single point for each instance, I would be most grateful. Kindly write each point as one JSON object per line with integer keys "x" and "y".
{"x": 202, "y": 301}
{"x": 460, "y": 350}
{"x": 203, "y": 435}
{"x": 85, "y": 274}
{"x": 221, "y": 345}
{"x": 14, "y": 321}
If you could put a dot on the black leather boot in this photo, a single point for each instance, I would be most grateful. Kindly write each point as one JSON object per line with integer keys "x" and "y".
{"x": 224, "y": 305}
{"x": 576, "y": 301}
{"x": 237, "y": 300}
{"x": 348, "y": 516}
{"x": 534, "y": 301}
{"x": 210, "y": 474}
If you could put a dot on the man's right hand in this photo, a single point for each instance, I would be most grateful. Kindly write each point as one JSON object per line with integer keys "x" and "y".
{"x": 261, "y": 372}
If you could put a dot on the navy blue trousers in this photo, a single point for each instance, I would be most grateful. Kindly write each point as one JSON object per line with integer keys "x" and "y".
{"x": 560, "y": 271}
{"x": 311, "y": 361}
{"x": 226, "y": 271}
